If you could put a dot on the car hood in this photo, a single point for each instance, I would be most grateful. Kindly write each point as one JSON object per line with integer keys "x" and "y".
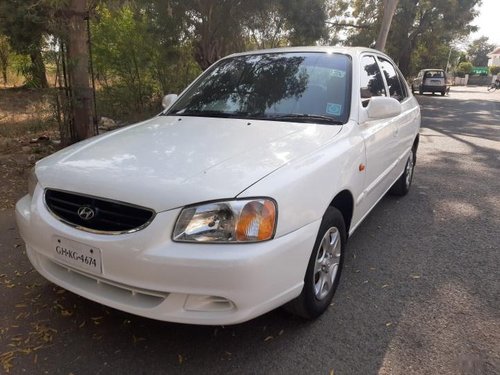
{"x": 169, "y": 162}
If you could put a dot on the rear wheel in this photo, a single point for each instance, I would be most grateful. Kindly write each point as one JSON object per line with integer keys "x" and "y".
{"x": 443, "y": 93}
{"x": 420, "y": 92}
{"x": 324, "y": 267}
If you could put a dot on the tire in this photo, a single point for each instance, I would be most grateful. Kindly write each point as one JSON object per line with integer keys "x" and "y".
{"x": 324, "y": 268}
{"x": 412, "y": 89}
{"x": 420, "y": 92}
{"x": 443, "y": 93}
{"x": 403, "y": 183}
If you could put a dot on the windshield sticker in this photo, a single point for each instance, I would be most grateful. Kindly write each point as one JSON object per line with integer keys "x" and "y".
{"x": 333, "y": 109}
{"x": 338, "y": 73}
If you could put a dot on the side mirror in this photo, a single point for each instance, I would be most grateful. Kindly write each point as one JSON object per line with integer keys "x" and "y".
{"x": 168, "y": 100}
{"x": 381, "y": 107}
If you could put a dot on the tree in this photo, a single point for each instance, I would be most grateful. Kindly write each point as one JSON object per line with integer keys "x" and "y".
{"x": 306, "y": 20}
{"x": 415, "y": 22}
{"x": 389, "y": 9}
{"x": 78, "y": 71}
{"x": 25, "y": 24}
{"x": 464, "y": 68}
{"x": 438, "y": 20}
{"x": 478, "y": 51}
{"x": 494, "y": 70}
{"x": 217, "y": 27}
{"x": 4, "y": 57}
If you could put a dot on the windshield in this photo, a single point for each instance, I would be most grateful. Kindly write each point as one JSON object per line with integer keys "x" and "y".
{"x": 301, "y": 87}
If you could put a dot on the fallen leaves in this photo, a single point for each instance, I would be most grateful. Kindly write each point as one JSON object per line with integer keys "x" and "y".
{"x": 40, "y": 336}
{"x": 6, "y": 360}
{"x": 137, "y": 339}
{"x": 97, "y": 319}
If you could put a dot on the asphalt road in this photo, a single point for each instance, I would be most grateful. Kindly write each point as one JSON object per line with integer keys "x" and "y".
{"x": 420, "y": 292}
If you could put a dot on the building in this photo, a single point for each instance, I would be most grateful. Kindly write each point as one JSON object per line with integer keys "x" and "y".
{"x": 494, "y": 57}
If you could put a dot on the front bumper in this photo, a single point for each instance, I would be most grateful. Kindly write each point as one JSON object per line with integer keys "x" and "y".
{"x": 147, "y": 274}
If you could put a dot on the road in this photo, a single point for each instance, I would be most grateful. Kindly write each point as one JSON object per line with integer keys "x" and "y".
{"x": 420, "y": 292}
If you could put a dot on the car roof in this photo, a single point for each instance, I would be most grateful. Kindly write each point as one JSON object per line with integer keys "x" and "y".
{"x": 343, "y": 50}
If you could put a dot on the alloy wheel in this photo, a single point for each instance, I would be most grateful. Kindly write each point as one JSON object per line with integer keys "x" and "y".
{"x": 327, "y": 263}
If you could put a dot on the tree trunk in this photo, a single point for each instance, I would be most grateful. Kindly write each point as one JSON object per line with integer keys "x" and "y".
{"x": 389, "y": 9}
{"x": 38, "y": 69}
{"x": 78, "y": 71}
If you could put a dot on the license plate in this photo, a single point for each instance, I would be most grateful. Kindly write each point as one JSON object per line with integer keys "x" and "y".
{"x": 78, "y": 255}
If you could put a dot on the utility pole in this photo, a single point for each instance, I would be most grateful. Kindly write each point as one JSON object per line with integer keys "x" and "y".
{"x": 389, "y": 9}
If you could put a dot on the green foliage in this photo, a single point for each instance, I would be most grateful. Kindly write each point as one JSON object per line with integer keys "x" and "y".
{"x": 25, "y": 23}
{"x": 134, "y": 68}
{"x": 419, "y": 29}
{"x": 306, "y": 20}
{"x": 478, "y": 51}
{"x": 218, "y": 28}
{"x": 464, "y": 68}
{"x": 494, "y": 70}
{"x": 145, "y": 49}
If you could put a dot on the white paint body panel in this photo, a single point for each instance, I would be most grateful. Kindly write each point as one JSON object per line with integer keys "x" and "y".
{"x": 169, "y": 162}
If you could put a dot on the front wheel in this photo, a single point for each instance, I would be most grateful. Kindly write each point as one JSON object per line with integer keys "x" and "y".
{"x": 324, "y": 267}
{"x": 402, "y": 185}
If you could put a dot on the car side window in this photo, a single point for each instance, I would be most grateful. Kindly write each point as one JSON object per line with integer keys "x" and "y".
{"x": 372, "y": 83}
{"x": 404, "y": 87}
{"x": 394, "y": 84}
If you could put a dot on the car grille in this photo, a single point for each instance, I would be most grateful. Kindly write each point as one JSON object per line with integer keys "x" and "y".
{"x": 96, "y": 214}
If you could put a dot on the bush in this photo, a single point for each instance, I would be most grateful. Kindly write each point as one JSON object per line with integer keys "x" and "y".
{"x": 464, "y": 68}
{"x": 494, "y": 70}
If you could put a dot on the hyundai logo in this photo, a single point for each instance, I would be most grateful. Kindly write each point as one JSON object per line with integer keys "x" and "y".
{"x": 86, "y": 213}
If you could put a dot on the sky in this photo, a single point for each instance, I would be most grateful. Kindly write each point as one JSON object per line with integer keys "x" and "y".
{"x": 488, "y": 21}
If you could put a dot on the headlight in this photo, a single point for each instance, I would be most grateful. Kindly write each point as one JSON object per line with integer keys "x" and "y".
{"x": 32, "y": 181}
{"x": 251, "y": 220}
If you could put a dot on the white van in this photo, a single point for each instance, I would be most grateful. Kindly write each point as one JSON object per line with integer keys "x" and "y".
{"x": 430, "y": 80}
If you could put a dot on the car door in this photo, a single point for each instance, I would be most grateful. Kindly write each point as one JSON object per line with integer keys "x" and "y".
{"x": 405, "y": 122}
{"x": 379, "y": 136}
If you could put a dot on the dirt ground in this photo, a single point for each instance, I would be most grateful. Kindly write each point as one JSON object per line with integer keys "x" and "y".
{"x": 28, "y": 132}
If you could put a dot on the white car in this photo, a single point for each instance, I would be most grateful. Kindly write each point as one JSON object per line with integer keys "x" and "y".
{"x": 238, "y": 198}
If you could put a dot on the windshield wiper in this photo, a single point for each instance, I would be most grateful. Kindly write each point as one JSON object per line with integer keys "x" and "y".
{"x": 304, "y": 117}
{"x": 208, "y": 113}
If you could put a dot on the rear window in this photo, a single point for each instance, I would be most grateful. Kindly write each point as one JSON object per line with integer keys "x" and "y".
{"x": 434, "y": 74}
